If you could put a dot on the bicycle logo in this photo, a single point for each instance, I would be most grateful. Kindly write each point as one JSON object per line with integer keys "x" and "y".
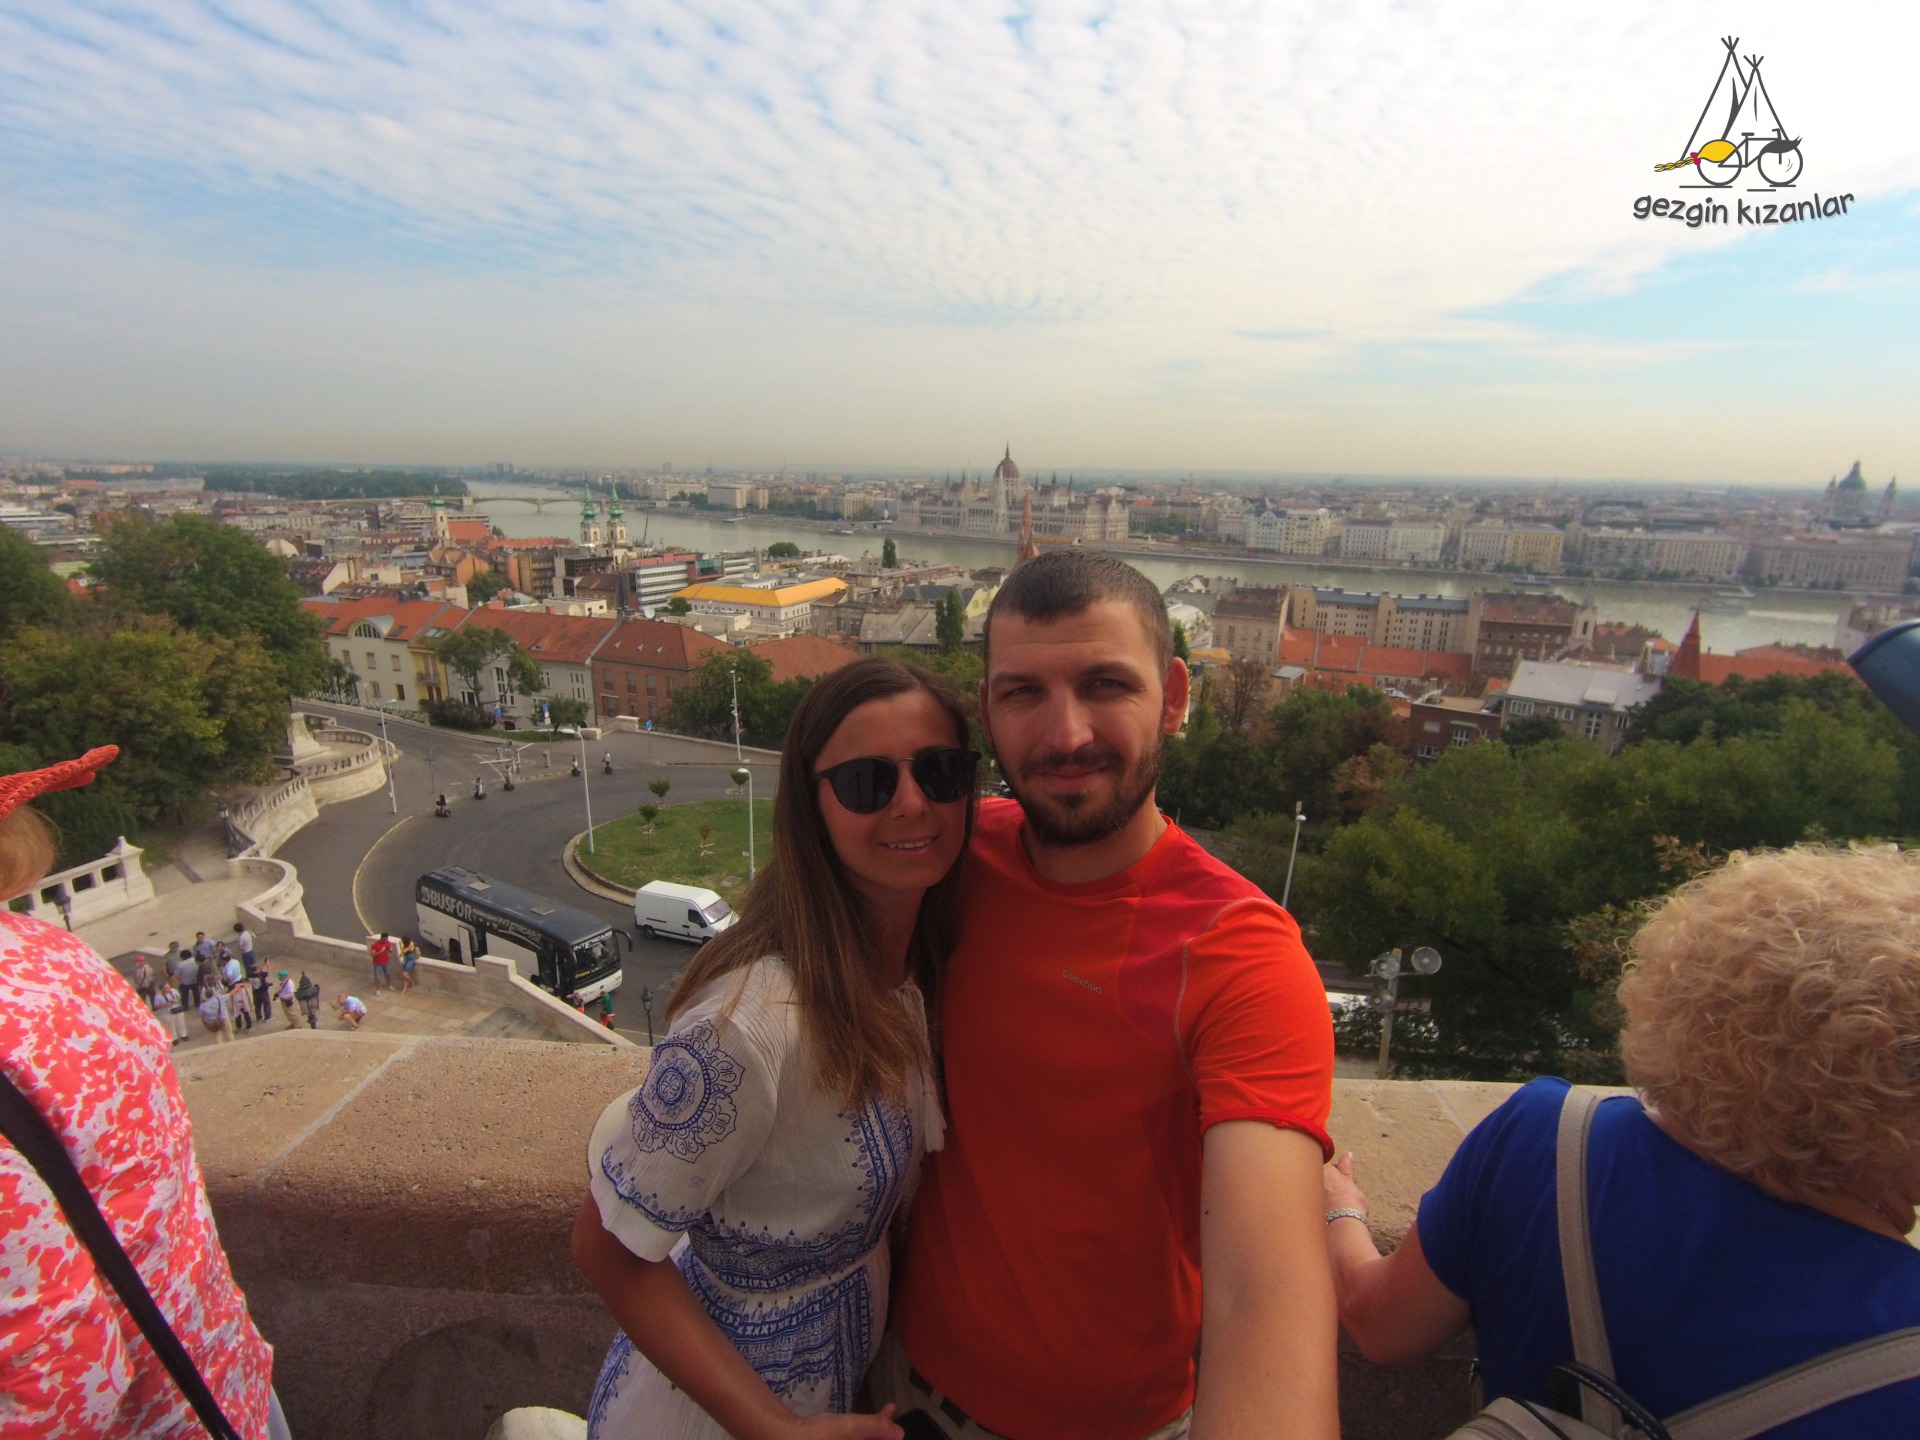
{"x": 1769, "y": 152}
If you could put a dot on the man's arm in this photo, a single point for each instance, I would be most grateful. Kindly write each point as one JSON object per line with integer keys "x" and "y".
{"x": 1268, "y": 1327}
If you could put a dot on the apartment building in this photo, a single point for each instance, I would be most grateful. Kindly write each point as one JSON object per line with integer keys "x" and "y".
{"x": 772, "y": 609}
{"x": 1417, "y": 622}
{"x": 1689, "y": 555}
{"x": 1505, "y": 628}
{"x": 562, "y": 646}
{"x": 1833, "y": 562}
{"x": 1439, "y": 723}
{"x": 643, "y": 663}
{"x": 1520, "y": 546}
{"x": 1590, "y": 702}
{"x": 1248, "y": 623}
{"x": 387, "y": 644}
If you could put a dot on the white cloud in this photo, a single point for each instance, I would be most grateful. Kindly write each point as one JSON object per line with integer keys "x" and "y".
{"x": 1103, "y": 203}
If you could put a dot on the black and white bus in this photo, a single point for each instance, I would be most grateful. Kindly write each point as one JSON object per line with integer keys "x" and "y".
{"x": 465, "y": 914}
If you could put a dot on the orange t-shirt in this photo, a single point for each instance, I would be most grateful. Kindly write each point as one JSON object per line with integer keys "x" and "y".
{"x": 1091, "y": 1034}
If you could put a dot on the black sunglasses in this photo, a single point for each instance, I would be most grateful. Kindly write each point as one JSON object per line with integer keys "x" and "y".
{"x": 866, "y": 785}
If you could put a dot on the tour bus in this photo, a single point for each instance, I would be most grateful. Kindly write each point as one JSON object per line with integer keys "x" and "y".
{"x": 465, "y": 914}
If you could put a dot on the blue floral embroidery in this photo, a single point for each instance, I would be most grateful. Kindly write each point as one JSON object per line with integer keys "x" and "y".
{"x": 686, "y": 1104}
{"x": 881, "y": 1136}
{"x": 613, "y": 1370}
{"x": 824, "y": 1334}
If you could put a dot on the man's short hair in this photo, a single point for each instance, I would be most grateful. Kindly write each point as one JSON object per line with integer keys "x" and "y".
{"x": 1066, "y": 582}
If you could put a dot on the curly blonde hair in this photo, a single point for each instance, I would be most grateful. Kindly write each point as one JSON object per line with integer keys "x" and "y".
{"x": 1773, "y": 1017}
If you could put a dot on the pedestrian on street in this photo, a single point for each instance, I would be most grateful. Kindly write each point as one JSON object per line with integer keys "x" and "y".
{"x": 171, "y": 1010}
{"x": 409, "y": 957}
{"x": 479, "y": 788}
{"x": 231, "y": 972}
{"x": 216, "y": 1014}
{"x": 239, "y": 1013}
{"x": 186, "y": 974}
{"x": 382, "y": 952}
{"x": 262, "y": 996}
{"x": 286, "y": 994}
{"x": 202, "y": 947}
{"x": 606, "y": 1008}
{"x": 308, "y": 994}
{"x": 243, "y": 942}
{"x": 142, "y": 978}
{"x": 351, "y": 1010}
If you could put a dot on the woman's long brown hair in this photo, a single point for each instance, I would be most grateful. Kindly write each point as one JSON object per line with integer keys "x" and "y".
{"x": 803, "y": 906}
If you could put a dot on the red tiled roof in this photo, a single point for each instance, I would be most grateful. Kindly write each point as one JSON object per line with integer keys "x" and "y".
{"x": 801, "y": 657}
{"x": 411, "y": 618}
{"x": 1353, "y": 655}
{"x": 469, "y": 532}
{"x": 655, "y": 642}
{"x": 567, "y": 639}
{"x": 1718, "y": 669}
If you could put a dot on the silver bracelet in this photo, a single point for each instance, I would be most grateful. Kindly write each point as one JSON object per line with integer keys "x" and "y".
{"x": 1347, "y": 1214}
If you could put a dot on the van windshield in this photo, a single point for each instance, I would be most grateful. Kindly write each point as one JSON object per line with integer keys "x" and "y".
{"x": 716, "y": 912}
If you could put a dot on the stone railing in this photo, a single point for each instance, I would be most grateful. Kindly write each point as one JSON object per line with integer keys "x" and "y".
{"x": 267, "y": 821}
{"x": 351, "y": 767}
{"x": 116, "y": 881}
{"x": 398, "y": 1211}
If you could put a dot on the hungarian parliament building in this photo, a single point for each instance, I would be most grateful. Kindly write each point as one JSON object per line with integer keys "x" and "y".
{"x": 996, "y": 509}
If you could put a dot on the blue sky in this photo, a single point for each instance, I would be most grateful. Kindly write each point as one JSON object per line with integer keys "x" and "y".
{"x": 1293, "y": 235}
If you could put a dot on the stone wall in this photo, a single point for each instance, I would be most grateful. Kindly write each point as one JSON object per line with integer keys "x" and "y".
{"x": 398, "y": 1211}
{"x": 272, "y": 817}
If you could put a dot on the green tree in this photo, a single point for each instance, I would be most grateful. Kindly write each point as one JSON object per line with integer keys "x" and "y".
{"x": 1181, "y": 650}
{"x": 567, "y": 711}
{"x": 660, "y": 785}
{"x": 189, "y": 712}
{"x": 213, "y": 580}
{"x": 889, "y": 554}
{"x": 704, "y": 706}
{"x": 678, "y": 605}
{"x": 472, "y": 650}
{"x": 1524, "y": 730}
{"x": 950, "y": 621}
{"x": 484, "y": 586}
{"x": 783, "y": 550}
{"x": 30, "y": 593}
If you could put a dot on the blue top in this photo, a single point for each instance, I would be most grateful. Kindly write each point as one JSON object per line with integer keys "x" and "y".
{"x": 1707, "y": 1283}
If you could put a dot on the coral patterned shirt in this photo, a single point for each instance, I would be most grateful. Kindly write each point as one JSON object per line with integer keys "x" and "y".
{"x": 77, "y": 1042}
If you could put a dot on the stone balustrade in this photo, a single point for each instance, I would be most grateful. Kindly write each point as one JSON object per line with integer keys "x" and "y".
{"x": 350, "y": 767}
{"x": 264, "y": 823}
{"x": 398, "y": 1211}
{"x": 116, "y": 881}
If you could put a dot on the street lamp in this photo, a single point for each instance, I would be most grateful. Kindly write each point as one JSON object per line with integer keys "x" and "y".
{"x": 646, "y": 1004}
{"x": 1386, "y": 969}
{"x": 386, "y": 759}
{"x": 586, "y": 791}
{"x": 735, "y": 672}
{"x": 744, "y": 776}
{"x": 63, "y": 901}
{"x": 1299, "y": 819}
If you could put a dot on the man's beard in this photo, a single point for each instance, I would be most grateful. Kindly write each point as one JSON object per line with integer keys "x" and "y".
{"x": 1082, "y": 819}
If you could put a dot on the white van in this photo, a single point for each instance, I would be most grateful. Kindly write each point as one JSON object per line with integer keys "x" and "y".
{"x": 685, "y": 912}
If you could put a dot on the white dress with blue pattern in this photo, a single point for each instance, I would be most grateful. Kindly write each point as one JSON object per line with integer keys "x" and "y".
{"x": 771, "y": 1197}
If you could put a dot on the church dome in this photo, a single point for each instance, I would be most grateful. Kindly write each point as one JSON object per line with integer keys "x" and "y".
{"x": 1006, "y": 469}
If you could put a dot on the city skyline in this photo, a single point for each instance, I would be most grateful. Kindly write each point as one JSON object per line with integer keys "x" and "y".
{"x": 1330, "y": 241}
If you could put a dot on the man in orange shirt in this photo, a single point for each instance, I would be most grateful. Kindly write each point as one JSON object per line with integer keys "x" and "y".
{"x": 1138, "y": 1060}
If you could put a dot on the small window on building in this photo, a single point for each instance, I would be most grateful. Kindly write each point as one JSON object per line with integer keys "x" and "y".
{"x": 399, "y": 691}
{"x": 394, "y": 661}
{"x": 650, "y": 687}
{"x": 1519, "y": 707}
{"x": 372, "y": 664}
{"x": 1463, "y": 736}
{"x": 1593, "y": 726}
{"x": 1427, "y": 752}
{"x": 374, "y": 685}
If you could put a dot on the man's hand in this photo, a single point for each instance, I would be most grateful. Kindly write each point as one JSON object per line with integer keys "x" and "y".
{"x": 1268, "y": 1329}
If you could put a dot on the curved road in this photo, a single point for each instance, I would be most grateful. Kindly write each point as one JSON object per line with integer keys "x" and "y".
{"x": 359, "y": 860}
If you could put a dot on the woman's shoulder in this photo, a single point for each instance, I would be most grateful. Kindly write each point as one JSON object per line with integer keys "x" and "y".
{"x": 757, "y": 999}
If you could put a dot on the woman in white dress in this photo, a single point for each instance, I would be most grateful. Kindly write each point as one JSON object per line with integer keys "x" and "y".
{"x": 740, "y": 1200}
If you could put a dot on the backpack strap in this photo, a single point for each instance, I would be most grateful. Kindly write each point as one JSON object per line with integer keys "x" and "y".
{"x": 1803, "y": 1388}
{"x": 1589, "y": 1326}
{"x": 29, "y": 1133}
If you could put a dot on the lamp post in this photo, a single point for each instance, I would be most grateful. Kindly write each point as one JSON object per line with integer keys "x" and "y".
{"x": 1386, "y": 969}
{"x": 63, "y": 900}
{"x": 744, "y": 776}
{"x": 736, "y": 712}
{"x": 586, "y": 791}
{"x": 646, "y": 1004}
{"x": 386, "y": 759}
{"x": 1299, "y": 819}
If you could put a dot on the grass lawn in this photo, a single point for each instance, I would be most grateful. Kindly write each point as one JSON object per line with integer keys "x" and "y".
{"x": 627, "y": 857}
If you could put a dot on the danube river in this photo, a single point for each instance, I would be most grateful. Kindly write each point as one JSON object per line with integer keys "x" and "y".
{"x": 1791, "y": 616}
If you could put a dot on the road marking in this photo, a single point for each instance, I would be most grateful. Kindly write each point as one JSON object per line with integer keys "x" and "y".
{"x": 360, "y": 913}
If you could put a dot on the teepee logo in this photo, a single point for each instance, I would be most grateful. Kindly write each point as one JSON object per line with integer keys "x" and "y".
{"x": 1739, "y": 137}
{"x": 1751, "y": 140}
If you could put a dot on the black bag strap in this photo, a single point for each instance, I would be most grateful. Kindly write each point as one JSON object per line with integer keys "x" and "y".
{"x": 29, "y": 1133}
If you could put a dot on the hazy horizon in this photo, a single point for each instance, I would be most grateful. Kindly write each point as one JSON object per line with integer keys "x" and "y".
{"x": 1368, "y": 240}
